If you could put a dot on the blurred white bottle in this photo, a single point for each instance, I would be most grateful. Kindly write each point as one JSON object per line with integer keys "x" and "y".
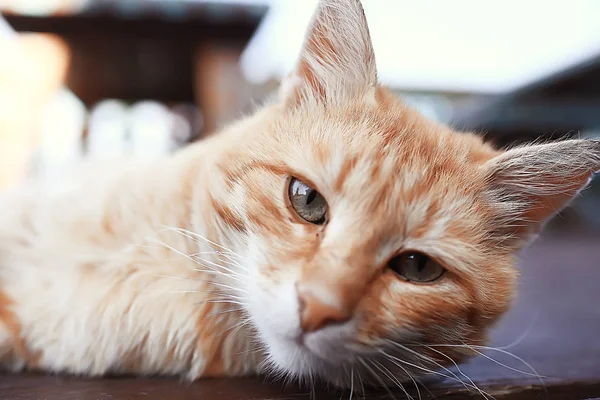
{"x": 150, "y": 129}
{"x": 188, "y": 123}
{"x": 107, "y": 130}
{"x": 60, "y": 147}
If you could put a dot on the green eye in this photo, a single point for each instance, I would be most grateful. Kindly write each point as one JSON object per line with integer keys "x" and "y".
{"x": 309, "y": 204}
{"x": 416, "y": 267}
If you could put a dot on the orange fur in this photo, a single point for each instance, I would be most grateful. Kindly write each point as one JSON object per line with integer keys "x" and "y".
{"x": 18, "y": 349}
{"x": 239, "y": 283}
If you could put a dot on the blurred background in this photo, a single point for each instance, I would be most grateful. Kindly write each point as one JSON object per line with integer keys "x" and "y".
{"x": 512, "y": 70}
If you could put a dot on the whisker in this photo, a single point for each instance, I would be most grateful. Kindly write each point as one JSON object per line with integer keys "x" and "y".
{"x": 391, "y": 376}
{"x": 182, "y": 278}
{"x": 229, "y": 310}
{"x": 229, "y": 260}
{"x": 219, "y": 284}
{"x": 173, "y": 249}
{"x": 420, "y": 382}
{"x": 228, "y": 295}
{"x": 248, "y": 351}
{"x": 474, "y": 348}
{"x": 218, "y": 301}
{"x": 236, "y": 326}
{"x": 535, "y": 374}
{"x": 351, "y": 382}
{"x": 427, "y": 370}
{"x": 383, "y": 385}
{"x": 213, "y": 264}
{"x": 313, "y": 394}
{"x": 483, "y": 393}
{"x": 362, "y": 385}
{"x": 412, "y": 379}
{"x": 193, "y": 235}
{"x": 221, "y": 256}
{"x": 180, "y": 291}
{"x": 223, "y": 285}
{"x": 215, "y": 272}
{"x": 432, "y": 361}
{"x": 218, "y": 255}
{"x": 523, "y": 335}
{"x": 232, "y": 274}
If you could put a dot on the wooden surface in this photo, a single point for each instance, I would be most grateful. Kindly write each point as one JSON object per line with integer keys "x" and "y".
{"x": 554, "y": 327}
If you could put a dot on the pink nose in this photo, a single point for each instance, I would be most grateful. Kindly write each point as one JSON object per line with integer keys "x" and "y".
{"x": 316, "y": 314}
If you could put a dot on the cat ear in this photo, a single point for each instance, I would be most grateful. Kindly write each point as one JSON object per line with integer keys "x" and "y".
{"x": 529, "y": 185}
{"x": 336, "y": 61}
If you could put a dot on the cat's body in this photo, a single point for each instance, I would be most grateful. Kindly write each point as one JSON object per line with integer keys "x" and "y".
{"x": 218, "y": 261}
{"x": 89, "y": 285}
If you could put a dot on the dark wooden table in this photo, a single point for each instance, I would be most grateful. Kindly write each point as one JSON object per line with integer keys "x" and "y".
{"x": 554, "y": 329}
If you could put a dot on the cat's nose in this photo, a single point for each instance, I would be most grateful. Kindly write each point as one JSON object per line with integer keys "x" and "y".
{"x": 318, "y": 311}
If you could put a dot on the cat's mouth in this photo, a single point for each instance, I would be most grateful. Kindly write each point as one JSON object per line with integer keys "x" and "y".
{"x": 328, "y": 346}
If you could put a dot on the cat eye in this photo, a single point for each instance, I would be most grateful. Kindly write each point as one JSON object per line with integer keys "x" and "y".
{"x": 416, "y": 267}
{"x": 309, "y": 204}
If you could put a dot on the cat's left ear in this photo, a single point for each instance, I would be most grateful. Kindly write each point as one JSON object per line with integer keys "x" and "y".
{"x": 529, "y": 185}
{"x": 336, "y": 62}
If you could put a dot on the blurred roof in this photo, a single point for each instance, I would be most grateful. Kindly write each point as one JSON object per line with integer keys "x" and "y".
{"x": 174, "y": 10}
{"x": 458, "y": 46}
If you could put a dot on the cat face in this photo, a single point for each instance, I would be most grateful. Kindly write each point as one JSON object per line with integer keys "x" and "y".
{"x": 378, "y": 245}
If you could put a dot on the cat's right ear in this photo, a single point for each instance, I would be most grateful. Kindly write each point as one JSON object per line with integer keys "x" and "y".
{"x": 336, "y": 62}
{"x": 528, "y": 185}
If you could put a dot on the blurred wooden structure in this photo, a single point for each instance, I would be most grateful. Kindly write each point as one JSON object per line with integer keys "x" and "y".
{"x": 559, "y": 105}
{"x": 24, "y": 92}
{"x": 150, "y": 53}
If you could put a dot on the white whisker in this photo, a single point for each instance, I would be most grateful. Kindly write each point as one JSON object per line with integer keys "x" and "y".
{"x": 213, "y": 264}
{"x": 218, "y": 301}
{"x": 362, "y": 385}
{"x": 229, "y": 287}
{"x": 179, "y": 291}
{"x": 466, "y": 385}
{"x": 215, "y": 272}
{"x": 229, "y": 310}
{"x": 235, "y": 327}
{"x": 484, "y": 394}
{"x": 427, "y": 370}
{"x": 391, "y": 376}
{"x": 412, "y": 379}
{"x": 194, "y": 236}
{"x": 169, "y": 276}
{"x": 351, "y": 382}
{"x": 232, "y": 274}
{"x": 383, "y": 385}
{"x": 429, "y": 360}
{"x": 227, "y": 295}
{"x": 523, "y": 335}
{"x": 474, "y": 349}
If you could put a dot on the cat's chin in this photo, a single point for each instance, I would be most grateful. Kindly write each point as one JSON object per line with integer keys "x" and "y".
{"x": 298, "y": 360}
{"x": 324, "y": 355}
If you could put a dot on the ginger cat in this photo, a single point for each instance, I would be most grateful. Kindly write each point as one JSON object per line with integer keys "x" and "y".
{"x": 335, "y": 234}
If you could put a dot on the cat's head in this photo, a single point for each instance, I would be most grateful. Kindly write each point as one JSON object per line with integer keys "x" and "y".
{"x": 377, "y": 243}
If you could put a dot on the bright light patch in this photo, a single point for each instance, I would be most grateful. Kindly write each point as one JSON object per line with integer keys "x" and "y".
{"x": 460, "y": 45}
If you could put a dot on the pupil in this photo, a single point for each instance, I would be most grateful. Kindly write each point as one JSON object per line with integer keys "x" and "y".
{"x": 311, "y": 197}
{"x": 421, "y": 262}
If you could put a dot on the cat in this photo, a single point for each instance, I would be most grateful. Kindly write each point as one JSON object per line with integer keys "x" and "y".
{"x": 335, "y": 234}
